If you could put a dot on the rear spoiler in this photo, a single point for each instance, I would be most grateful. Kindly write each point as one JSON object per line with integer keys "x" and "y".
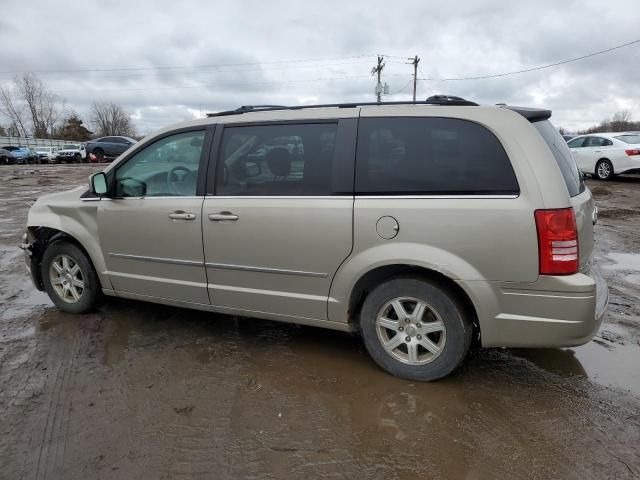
{"x": 531, "y": 114}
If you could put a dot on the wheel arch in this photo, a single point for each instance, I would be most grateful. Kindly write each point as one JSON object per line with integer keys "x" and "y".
{"x": 41, "y": 237}
{"x": 374, "y": 277}
{"x": 602, "y": 159}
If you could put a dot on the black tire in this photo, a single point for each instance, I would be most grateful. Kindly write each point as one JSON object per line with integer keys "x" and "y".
{"x": 4, "y": 160}
{"x": 91, "y": 293}
{"x": 604, "y": 170}
{"x": 99, "y": 153}
{"x": 458, "y": 329}
{"x": 77, "y": 158}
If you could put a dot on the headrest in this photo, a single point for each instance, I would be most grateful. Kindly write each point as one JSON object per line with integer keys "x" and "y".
{"x": 279, "y": 161}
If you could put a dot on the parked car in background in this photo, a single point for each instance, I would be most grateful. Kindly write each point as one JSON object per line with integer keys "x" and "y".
{"x": 101, "y": 149}
{"x": 72, "y": 152}
{"x": 353, "y": 218}
{"x": 22, "y": 155}
{"x": 47, "y": 154}
{"x": 33, "y": 156}
{"x": 604, "y": 155}
{"x": 6, "y": 157}
{"x": 568, "y": 137}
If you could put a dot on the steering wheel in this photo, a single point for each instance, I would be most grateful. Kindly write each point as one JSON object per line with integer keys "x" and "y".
{"x": 180, "y": 180}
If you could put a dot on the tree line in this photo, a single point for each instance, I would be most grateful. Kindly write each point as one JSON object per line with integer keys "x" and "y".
{"x": 618, "y": 122}
{"x": 33, "y": 110}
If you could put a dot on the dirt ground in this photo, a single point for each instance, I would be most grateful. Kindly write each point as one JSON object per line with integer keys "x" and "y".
{"x": 145, "y": 391}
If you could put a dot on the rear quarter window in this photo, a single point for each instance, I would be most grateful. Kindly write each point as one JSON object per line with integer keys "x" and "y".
{"x": 431, "y": 156}
{"x": 562, "y": 154}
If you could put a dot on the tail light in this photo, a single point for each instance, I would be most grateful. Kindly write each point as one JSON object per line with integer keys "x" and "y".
{"x": 557, "y": 241}
{"x": 633, "y": 151}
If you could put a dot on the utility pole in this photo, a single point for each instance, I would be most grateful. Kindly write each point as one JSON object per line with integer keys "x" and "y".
{"x": 378, "y": 70}
{"x": 414, "y": 61}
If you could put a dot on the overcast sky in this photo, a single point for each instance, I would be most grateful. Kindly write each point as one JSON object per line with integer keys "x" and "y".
{"x": 233, "y": 53}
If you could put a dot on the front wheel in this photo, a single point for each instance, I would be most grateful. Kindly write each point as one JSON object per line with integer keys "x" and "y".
{"x": 604, "y": 170}
{"x": 415, "y": 329}
{"x": 69, "y": 278}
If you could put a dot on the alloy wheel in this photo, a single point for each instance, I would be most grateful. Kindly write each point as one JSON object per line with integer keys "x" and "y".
{"x": 604, "y": 170}
{"x": 411, "y": 330}
{"x": 66, "y": 278}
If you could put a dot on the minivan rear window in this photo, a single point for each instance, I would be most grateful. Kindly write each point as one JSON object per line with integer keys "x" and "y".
{"x": 562, "y": 154}
{"x": 431, "y": 156}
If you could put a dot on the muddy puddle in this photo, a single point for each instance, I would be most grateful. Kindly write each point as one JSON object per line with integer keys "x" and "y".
{"x": 146, "y": 391}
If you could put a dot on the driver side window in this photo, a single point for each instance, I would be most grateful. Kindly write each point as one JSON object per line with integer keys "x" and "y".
{"x": 166, "y": 168}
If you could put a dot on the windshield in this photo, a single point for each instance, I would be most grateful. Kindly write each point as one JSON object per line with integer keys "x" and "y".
{"x": 629, "y": 138}
{"x": 70, "y": 147}
{"x": 562, "y": 154}
{"x": 42, "y": 150}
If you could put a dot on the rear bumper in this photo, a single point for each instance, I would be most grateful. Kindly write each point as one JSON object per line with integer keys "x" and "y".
{"x": 561, "y": 311}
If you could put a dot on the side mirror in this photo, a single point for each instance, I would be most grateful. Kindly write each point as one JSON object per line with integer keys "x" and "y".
{"x": 98, "y": 184}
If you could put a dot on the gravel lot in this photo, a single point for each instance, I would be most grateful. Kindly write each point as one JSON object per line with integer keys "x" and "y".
{"x": 145, "y": 391}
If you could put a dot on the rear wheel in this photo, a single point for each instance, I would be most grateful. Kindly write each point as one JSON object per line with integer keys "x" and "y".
{"x": 604, "y": 170}
{"x": 99, "y": 153}
{"x": 69, "y": 278}
{"x": 415, "y": 329}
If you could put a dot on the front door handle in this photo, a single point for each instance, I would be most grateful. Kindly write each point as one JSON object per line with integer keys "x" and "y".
{"x": 180, "y": 215}
{"x": 222, "y": 216}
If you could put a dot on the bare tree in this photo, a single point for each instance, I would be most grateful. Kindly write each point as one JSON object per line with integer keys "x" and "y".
{"x": 109, "y": 118}
{"x": 41, "y": 103}
{"x": 29, "y": 101}
{"x": 620, "y": 121}
{"x": 14, "y": 110}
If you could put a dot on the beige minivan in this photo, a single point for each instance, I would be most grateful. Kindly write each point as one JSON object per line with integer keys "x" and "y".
{"x": 422, "y": 225}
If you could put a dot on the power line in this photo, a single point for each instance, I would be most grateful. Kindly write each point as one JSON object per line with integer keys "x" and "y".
{"x": 403, "y": 88}
{"x": 283, "y": 67}
{"x": 533, "y": 69}
{"x": 177, "y": 67}
{"x": 181, "y": 87}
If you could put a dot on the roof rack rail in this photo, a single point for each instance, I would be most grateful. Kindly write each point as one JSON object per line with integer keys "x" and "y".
{"x": 433, "y": 100}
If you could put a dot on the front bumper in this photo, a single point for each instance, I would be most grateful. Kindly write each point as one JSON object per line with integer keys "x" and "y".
{"x": 32, "y": 264}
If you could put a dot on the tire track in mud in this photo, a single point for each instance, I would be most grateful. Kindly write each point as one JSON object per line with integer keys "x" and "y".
{"x": 52, "y": 443}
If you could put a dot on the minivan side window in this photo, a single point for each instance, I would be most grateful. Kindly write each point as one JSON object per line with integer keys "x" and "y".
{"x": 430, "y": 156}
{"x": 293, "y": 159}
{"x": 166, "y": 168}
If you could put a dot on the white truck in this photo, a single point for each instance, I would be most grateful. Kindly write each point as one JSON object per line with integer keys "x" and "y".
{"x": 72, "y": 152}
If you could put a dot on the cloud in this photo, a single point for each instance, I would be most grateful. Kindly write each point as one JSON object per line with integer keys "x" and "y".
{"x": 459, "y": 38}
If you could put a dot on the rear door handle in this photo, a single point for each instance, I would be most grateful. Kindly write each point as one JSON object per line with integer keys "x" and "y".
{"x": 222, "y": 216}
{"x": 180, "y": 215}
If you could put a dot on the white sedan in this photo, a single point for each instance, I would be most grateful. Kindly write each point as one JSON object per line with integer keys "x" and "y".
{"x": 604, "y": 155}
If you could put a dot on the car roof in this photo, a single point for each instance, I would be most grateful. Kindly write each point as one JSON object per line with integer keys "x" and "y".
{"x": 261, "y": 113}
{"x": 606, "y": 134}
